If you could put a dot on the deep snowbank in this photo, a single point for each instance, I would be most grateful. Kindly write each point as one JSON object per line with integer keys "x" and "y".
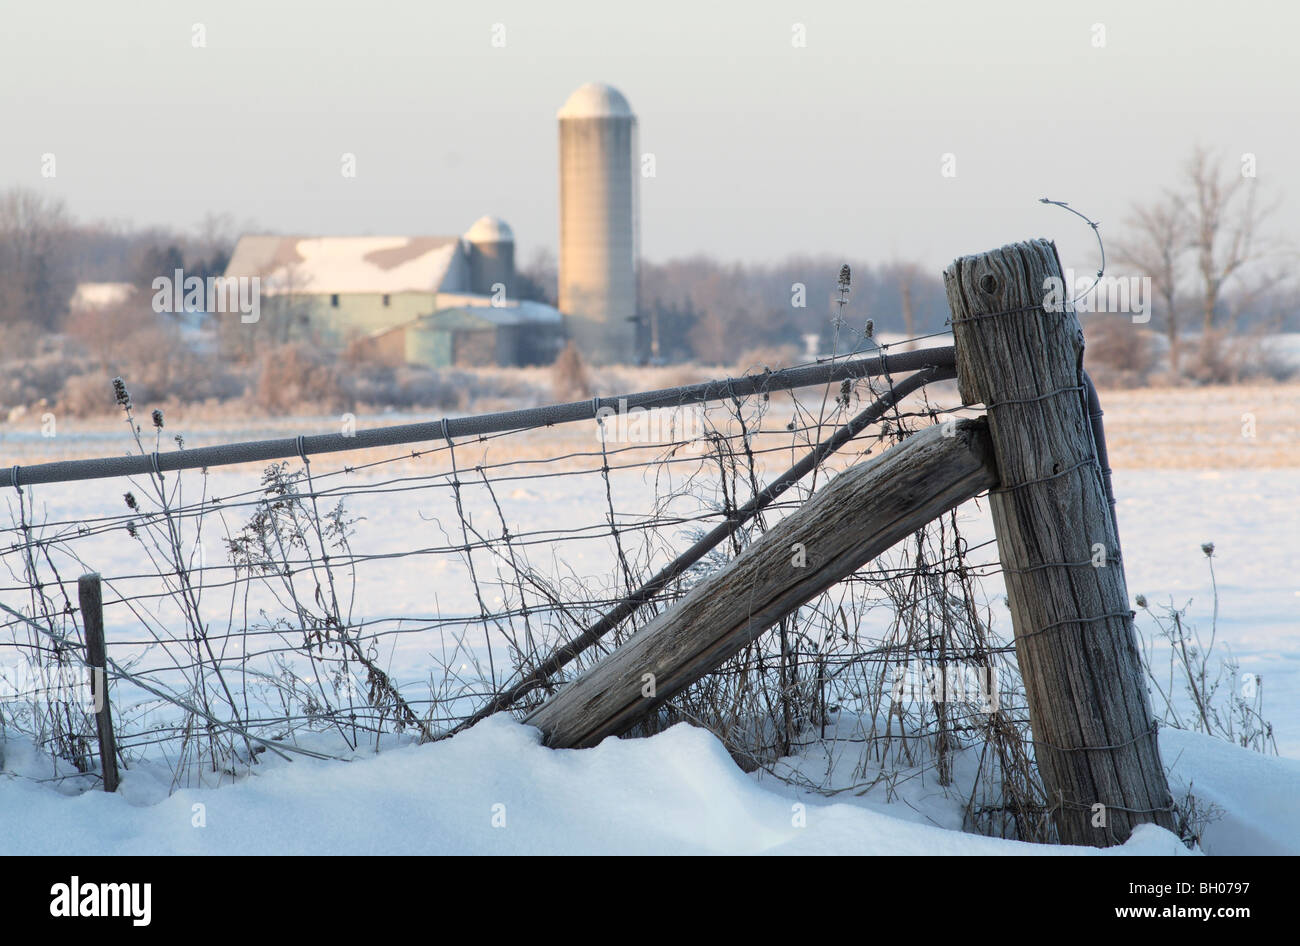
{"x": 1258, "y": 796}
{"x": 495, "y": 790}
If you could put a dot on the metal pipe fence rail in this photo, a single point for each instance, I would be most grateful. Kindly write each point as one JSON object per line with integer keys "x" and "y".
{"x": 307, "y": 445}
{"x": 331, "y": 609}
{"x": 448, "y": 428}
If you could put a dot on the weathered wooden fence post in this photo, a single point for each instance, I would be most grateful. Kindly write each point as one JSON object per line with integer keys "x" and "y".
{"x": 856, "y": 516}
{"x": 1021, "y": 355}
{"x": 92, "y": 619}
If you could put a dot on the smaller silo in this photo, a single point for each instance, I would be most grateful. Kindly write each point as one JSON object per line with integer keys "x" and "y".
{"x": 491, "y": 256}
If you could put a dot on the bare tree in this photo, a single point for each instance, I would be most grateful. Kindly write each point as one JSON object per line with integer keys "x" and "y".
{"x": 1226, "y": 220}
{"x": 1160, "y": 237}
{"x": 1211, "y": 226}
{"x": 538, "y": 280}
{"x": 710, "y": 339}
{"x": 907, "y": 274}
{"x": 36, "y": 274}
{"x": 213, "y": 243}
{"x": 287, "y": 307}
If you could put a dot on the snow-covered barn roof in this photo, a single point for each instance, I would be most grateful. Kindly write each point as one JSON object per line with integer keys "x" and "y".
{"x": 366, "y": 264}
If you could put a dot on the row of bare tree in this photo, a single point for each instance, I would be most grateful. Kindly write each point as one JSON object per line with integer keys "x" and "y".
{"x": 36, "y": 278}
{"x": 44, "y": 254}
{"x": 1202, "y": 243}
{"x": 702, "y": 309}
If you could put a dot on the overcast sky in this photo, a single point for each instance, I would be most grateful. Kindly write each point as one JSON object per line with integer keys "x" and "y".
{"x": 763, "y": 148}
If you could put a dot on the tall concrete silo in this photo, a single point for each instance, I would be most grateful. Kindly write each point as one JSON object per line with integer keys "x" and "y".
{"x": 491, "y": 256}
{"x": 598, "y": 223}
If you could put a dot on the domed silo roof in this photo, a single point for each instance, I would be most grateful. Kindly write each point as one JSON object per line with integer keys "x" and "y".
{"x": 490, "y": 229}
{"x": 596, "y": 100}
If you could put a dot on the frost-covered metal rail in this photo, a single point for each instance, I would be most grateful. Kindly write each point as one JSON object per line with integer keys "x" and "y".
{"x": 448, "y": 428}
{"x": 252, "y": 451}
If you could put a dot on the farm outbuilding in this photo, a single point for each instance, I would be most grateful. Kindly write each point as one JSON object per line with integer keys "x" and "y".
{"x": 429, "y": 300}
{"x": 394, "y": 294}
{"x": 467, "y": 334}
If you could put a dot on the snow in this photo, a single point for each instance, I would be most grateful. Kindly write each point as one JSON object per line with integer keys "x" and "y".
{"x": 674, "y": 793}
{"x": 99, "y": 295}
{"x": 360, "y": 264}
{"x": 1253, "y": 520}
{"x": 1258, "y": 795}
{"x": 678, "y": 791}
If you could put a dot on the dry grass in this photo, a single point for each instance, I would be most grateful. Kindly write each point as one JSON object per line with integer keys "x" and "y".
{"x": 1204, "y": 427}
{"x": 570, "y": 379}
{"x": 1183, "y": 427}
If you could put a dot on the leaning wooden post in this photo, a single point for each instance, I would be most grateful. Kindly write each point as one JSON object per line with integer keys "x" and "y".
{"x": 853, "y": 518}
{"x": 92, "y": 619}
{"x": 1020, "y": 353}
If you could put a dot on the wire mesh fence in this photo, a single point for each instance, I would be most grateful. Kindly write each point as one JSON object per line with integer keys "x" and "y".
{"x": 318, "y": 607}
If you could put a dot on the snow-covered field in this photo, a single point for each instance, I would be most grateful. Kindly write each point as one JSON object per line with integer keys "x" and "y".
{"x": 680, "y": 791}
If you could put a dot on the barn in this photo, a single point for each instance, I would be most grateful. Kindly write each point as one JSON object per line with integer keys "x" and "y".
{"x": 429, "y": 300}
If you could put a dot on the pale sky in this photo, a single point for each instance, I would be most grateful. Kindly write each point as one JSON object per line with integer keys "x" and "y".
{"x": 762, "y": 148}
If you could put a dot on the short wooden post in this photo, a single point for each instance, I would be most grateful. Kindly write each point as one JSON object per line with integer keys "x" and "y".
{"x": 92, "y": 619}
{"x": 1021, "y": 355}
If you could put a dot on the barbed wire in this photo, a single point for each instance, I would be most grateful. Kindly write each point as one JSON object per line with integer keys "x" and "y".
{"x": 493, "y": 573}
